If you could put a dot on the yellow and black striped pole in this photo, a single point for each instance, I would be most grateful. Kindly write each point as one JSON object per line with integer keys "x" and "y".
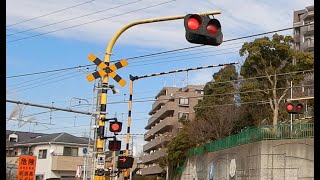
{"x": 126, "y": 172}
{"x": 132, "y": 78}
{"x": 103, "y": 101}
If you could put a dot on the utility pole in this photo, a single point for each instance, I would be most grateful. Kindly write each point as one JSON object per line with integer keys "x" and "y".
{"x": 291, "y": 115}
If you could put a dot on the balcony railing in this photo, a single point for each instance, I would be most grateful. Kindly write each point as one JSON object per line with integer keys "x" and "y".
{"x": 161, "y": 126}
{"x": 66, "y": 163}
{"x": 167, "y": 108}
{"x": 297, "y": 38}
{"x": 151, "y": 170}
{"x": 154, "y": 156}
{"x": 307, "y": 30}
{"x": 160, "y": 101}
{"x": 157, "y": 142}
{"x": 308, "y": 45}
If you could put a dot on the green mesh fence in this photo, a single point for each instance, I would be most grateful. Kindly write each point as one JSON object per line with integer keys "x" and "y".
{"x": 281, "y": 131}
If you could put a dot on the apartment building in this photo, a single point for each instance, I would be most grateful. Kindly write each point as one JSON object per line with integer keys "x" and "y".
{"x": 171, "y": 104}
{"x": 304, "y": 36}
{"x": 58, "y": 155}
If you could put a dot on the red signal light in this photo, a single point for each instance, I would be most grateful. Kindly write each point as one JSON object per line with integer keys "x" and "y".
{"x": 212, "y": 29}
{"x": 115, "y": 126}
{"x": 193, "y": 23}
{"x": 290, "y": 107}
{"x": 114, "y": 145}
{"x": 299, "y": 108}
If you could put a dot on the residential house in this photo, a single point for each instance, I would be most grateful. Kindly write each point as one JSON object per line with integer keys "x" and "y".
{"x": 58, "y": 155}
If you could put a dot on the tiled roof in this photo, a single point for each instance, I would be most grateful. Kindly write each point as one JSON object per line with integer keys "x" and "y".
{"x": 22, "y": 136}
{"x": 55, "y": 138}
{"x": 25, "y": 138}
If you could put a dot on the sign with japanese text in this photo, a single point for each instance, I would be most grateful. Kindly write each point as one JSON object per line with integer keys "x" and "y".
{"x": 26, "y": 167}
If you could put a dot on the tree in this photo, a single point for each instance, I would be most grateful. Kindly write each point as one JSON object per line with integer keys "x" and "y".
{"x": 177, "y": 150}
{"x": 270, "y": 57}
{"x": 217, "y": 113}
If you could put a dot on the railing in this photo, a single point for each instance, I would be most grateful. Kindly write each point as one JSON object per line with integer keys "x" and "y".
{"x": 281, "y": 131}
{"x": 307, "y": 45}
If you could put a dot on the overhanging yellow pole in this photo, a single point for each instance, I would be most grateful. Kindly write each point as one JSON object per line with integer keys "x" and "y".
{"x": 146, "y": 21}
{"x": 103, "y": 101}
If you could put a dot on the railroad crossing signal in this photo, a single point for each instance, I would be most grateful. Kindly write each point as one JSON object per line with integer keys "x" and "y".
{"x": 115, "y": 126}
{"x": 107, "y": 70}
{"x": 295, "y": 108}
{"x": 125, "y": 162}
{"x": 114, "y": 145}
{"x": 203, "y": 30}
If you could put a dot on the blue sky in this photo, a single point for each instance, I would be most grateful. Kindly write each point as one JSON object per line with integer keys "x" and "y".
{"x": 70, "y": 47}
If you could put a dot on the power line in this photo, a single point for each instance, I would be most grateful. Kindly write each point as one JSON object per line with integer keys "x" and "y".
{"x": 49, "y": 32}
{"x": 58, "y": 80}
{"x": 36, "y": 79}
{"x": 227, "y": 104}
{"x": 257, "y": 77}
{"x": 40, "y": 80}
{"x": 222, "y": 94}
{"x": 45, "y": 81}
{"x": 148, "y": 55}
{"x": 47, "y": 25}
{"x": 35, "y": 122}
{"x": 50, "y": 71}
{"x": 54, "y": 12}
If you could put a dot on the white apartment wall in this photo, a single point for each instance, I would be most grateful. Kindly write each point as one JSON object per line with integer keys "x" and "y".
{"x": 43, "y": 166}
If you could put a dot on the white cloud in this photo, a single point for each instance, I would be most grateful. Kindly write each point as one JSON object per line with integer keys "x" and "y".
{"x": 201, "y": 77}
{"x": 237, "y": 18}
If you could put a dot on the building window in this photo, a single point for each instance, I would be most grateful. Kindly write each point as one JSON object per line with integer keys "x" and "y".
{"x": 183, "y": 116}
{"x": 42, "y": 154}
{"x": 183, "y": 101}
{"x": 39, "y": 177}
{"x": 24, "y": 151}
{"x": 12, "y": 139}
{"x": 199, "y": 91}
{"x": 70, "y": 151}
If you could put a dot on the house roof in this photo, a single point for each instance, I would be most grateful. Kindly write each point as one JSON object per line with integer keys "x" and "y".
{"x": 28, "y": 138}
{"x": 22, "y": 136}
{"x": 61, "y": 138}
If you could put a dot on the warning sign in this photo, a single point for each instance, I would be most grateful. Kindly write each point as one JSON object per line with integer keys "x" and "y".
{"x": 26, "y": 167}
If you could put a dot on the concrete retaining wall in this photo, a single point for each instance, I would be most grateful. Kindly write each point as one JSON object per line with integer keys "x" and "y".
{"x": 291, "y": 159}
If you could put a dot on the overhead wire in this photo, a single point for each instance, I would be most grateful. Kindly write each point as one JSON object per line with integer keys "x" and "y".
{"x": 148, "y": 55}
{"x": 54, "y": 12}
{"x": 34, "y": 85}
{"x": 262, "y": 102}
{"x": 43, "y": 80}
{"x": 222, "y": 94}
{"x": 125, "y": 13}
{"x": 46, "y": 83}
{"x": 243, "y": 79}
{"x": 59, "y": 22}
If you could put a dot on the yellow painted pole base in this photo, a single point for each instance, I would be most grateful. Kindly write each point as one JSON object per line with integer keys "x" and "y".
{"x": 99, "y": 178}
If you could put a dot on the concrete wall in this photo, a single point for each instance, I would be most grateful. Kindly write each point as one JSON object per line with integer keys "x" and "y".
{"x": 290, "y": 159}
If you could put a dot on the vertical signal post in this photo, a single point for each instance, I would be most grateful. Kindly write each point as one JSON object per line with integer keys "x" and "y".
{"x": 108, "y": 71}
{"x": 133, "y": 78}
